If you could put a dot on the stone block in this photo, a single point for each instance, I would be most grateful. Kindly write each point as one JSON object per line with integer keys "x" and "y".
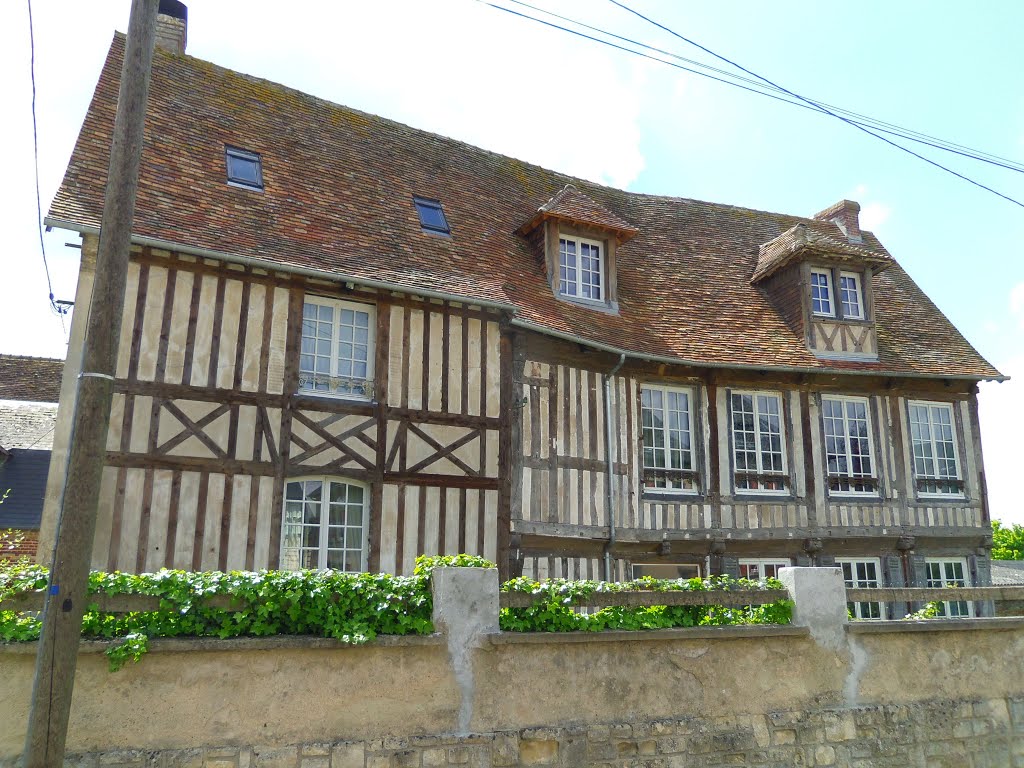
{"x": 458, "y": 755}
{"x": 536, "y": 752}
{"x": 348, "y": 754}
{"x": 843, "y": 728}
{"x": 435, "y": 756}
{"x": 410, "y": 758}
{"x": 599, "y": 733}
{"x": 824, "y": 755}
{"x": 315, "y": 761}
{"x": 277, "y": 757}
{"x": 505, "y": 750}
{"x": 784, "y": 736}
{"x": 315, "y": 749}
{"x": 378, "y": 761}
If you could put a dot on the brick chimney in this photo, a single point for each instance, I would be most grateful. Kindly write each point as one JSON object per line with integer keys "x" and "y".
{"x": 172, "y": 26}
{"x": 846, "y": 215}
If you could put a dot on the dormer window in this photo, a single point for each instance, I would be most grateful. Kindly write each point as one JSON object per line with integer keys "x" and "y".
{"x": 845, "y": 304}
{"x": 576, "y": 239}
{"x": 821, "y": 293}
{"x": 851, "y": 296}
{"x": 580, "y": 268}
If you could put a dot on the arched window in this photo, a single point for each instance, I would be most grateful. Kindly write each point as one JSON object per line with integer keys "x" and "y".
{"x": 324, "y": 524}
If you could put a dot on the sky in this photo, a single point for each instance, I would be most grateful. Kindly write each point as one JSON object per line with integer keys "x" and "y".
{"x": 463, "y": 69}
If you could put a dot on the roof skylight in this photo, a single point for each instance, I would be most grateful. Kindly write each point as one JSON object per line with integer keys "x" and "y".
{"x": 244, "y": 168}
{"x": 431, "y": 216}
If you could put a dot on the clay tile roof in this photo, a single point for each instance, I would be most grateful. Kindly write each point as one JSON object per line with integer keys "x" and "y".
{"x": 338, "y": 199}
{"x": 30, "y": 378}
{"x": 803, "y": 241}
{"x": 569, "y": 204}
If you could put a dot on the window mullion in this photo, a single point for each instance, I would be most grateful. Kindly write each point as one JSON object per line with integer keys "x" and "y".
{"x": 757, "y": 436}
{"x": 324, "y": 516}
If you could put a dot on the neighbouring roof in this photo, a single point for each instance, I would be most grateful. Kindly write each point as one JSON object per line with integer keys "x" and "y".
{"x": 1005, "y": 572}
{"x": 30, "y": 378}
{"x": 807, "y": 240}
{"x": 26, "y": 425}
{"x": 338, "y": 196}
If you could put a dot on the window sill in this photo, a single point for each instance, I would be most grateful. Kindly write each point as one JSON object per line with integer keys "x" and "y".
{"x": 670, "y": 494}
{"x": 597, "y": 305}
{"x": 314, "y": 395}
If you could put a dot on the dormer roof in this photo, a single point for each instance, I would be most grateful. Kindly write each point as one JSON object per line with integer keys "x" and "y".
{"x": 571, "y": 205}
{"x": 811, "y": 240}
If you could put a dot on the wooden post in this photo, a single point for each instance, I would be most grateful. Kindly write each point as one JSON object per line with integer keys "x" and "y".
{"x": 57, "y": 656}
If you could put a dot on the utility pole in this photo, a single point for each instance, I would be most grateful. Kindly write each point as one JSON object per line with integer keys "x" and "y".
{"x": 65, "y": 604}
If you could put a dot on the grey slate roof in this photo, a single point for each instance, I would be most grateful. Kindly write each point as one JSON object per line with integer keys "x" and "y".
{"x": 1007, "y": 572}
{"x": 26, "y": 425}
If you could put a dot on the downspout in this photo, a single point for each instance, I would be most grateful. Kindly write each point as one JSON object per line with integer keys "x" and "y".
{"x": 610, "y": 466}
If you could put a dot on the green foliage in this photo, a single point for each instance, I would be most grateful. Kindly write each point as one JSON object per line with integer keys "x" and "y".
{"x": 11, "y": 540}
{"x": 425, "y": 564}
{"x": 134, "y": 645}
{"x": 555, "y": 610}
{"x": 1007, "y": 543}
{"x": 929, "y": 611}
{"x": 353, "y": 608}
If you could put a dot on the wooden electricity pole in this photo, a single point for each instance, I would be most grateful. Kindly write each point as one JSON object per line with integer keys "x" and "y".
{"x": 76, "y": 523}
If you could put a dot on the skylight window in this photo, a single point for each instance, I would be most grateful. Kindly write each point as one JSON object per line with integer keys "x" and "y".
{"x": 244, "y": 168}
{"x": 431, "y": 216}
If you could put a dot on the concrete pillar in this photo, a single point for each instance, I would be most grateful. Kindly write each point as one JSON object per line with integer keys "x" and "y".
{"x": 465, "y": 611}
{"x": 819, "y": 596}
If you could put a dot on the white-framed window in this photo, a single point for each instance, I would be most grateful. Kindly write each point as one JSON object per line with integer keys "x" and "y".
{"x": 758, "y": 568}
{"x": 667, "y": 570}
{"x": 324, "y": 524}
{"x": 759, "y": 454}
{"x": 933, "y": 443}
{"x": 847, "y": 425}
{"x": 949, "y": 572}
{"x": 580, "y": 268}
{"x": 821, "y": 293}
{"x": 850, "y": 296}
{"x": 336, "y": 356}
{"x": 666, "y": 415}
{"x": 862, "y": 573}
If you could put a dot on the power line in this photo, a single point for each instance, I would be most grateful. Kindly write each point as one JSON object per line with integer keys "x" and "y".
{"x": 803, "y": 102}
{"x": 856, "y": 125}
{"x": 35, "y": 153}
{"x": 760, "y": 88}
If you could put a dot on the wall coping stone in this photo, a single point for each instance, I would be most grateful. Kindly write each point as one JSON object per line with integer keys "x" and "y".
{"x": 995, "y": 623}
{"x": 640, "y": 635}
{"x": 272, "y": 643}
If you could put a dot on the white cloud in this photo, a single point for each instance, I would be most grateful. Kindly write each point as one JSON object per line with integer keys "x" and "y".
{"x": 873, "y": 215}
{"x": 1001, "y": 412}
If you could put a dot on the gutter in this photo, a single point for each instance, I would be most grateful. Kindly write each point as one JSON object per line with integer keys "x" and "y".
{"x": 609, "y": 466}
{"x": 530, "y": 326}
{"x": 273, "y": 266}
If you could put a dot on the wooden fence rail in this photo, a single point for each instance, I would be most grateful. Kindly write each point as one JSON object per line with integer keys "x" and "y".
{"x": 932, "y": 594}
{"x": 729, "y": 598}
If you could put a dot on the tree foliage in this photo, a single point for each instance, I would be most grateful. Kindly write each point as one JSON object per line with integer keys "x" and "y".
{"x": 1007, "y": 543}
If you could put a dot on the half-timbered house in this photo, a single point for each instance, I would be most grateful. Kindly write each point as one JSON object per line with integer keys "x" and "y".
{"x": 347, "y": 342}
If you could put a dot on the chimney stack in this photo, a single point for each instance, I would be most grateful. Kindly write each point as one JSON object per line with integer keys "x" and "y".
{"x": 172, "y": 26}
{"x": 846, "y": 215}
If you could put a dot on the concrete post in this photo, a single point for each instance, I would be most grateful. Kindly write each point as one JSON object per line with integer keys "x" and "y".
{"x": 819, "y": 596}
{"x": 465, "y": 611}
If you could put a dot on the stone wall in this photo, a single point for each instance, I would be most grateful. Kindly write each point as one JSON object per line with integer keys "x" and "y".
{"x": 938, "y": 693}
{"x": 940, "y": 733}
